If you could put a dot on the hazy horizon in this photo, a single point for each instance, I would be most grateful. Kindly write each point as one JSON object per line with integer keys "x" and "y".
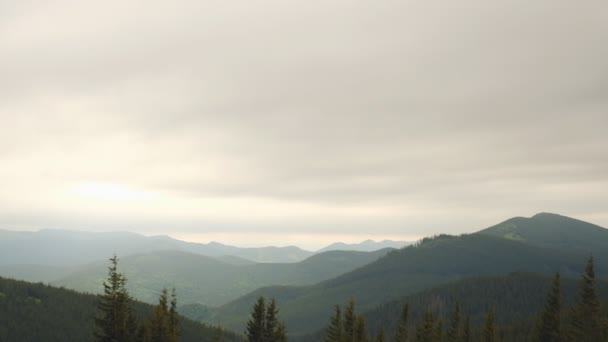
{"x": 301, "y": 122}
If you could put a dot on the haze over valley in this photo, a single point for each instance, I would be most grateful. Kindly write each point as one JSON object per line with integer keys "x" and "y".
{"x": 272, "y": 171}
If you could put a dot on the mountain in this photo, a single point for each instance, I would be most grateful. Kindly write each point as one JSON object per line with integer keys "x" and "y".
{"x": 210, "y": 281}
{"x": 35, "y": 273}
{"x": 432, "y": 262}
{"x": 71, "y": 248}
{"x": 516, "y": 297}
{"x": 364, "y": 246}
{"x": 36, "y": 312}
{"x": 553, "y": 231}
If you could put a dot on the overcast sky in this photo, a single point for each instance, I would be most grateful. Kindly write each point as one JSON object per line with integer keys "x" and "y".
{"x": 301, "y": 122}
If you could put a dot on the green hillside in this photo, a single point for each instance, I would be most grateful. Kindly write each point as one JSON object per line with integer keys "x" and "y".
{"x": 555, "y": 231}
{"x": 209, "y": 281}
{"x": 517, "y": 297}
{"x": 37, "y": 312}
{"x": 433, "y": 262}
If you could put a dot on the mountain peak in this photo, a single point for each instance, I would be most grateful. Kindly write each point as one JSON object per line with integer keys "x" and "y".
{"x": 550, "y": 230}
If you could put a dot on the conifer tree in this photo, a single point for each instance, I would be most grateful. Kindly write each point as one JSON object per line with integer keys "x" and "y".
{"x": 549, "y": 327}
{"x": 380, "y": 337}
{"x": 264, "y": 324}
{"x": 335, "y": 330}
{"x": 173, "y": 320}
{"x": 489, "y": 330}
{"x": 402, "y": 330}
{"x": 256, "y": 325}
{"x": 360, "y": 334}
{"x": 350, "y": 322}
{"x": 453, "y": 332}
{"x": 438, "y": 331}
{"x": 115, "y": 322}
{"x": 466, "y": 330}
{"x": 158, "y": 328}
{"x": 585, "y": 323}
{"x": 425, "y": 329}
{"x": 274, "y": 331}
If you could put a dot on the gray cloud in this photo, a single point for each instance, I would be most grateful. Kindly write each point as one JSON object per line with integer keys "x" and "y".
{"x": 397, "y": 117}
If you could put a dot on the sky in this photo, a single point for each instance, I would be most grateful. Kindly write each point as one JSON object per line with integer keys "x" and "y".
{"x": 301, "y": 122}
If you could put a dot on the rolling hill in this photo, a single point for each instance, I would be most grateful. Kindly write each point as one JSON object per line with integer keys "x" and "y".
{"x": 210, "y": 281}
{"x": 432, "y": 262}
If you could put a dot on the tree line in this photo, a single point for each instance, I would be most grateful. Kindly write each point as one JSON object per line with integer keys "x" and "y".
{"x": 116, "y": 322}
{"x": 582, "y": 322}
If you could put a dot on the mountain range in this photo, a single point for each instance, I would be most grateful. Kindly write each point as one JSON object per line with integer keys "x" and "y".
{"x": 433, "y": 262}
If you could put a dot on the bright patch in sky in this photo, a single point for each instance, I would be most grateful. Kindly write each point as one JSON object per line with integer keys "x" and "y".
{"x": 111, "y": 192}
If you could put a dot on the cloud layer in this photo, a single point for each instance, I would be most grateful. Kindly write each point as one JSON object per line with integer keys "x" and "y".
{"x": 387, "y": 118}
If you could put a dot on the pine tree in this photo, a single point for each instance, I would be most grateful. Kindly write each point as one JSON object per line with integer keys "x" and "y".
{"x": 350, "y": 322}
{"x": 466, "y": 330}
{"x": 380, "y": 337}
{"x": 453, "y": 332}
{"x": 173, "y": 320}
{"x": 256, "y": 325}
{"x": 159, "y": 325}
{"x": 438, "y": 331}
{"x": 115, "y": 322}
{"x": 489, "y": 330}
{"x": 274, "y": 331}
{"x": 335, "y": 330}
{"x": 585, "y": 323}
{"x": 402, "y": 331}
{"x": 360, "y": 330}
{"x": 549, "y": 328}
{"x": 281, "y": 333}
{"x": 264, "y": 324}
{"x": 425, "y": 329}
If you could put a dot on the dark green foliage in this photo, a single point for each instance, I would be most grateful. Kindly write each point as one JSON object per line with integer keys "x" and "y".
{"x": 350, "y": 321}
{"x": 466, "y": 330}
{"x": 453, "y": 331}
{"x": 257, "y": 322}
{"x": 380, "y": 337}
{"x": 425, "y": 330}
{"x": 36, "y": 312}
{"x": 162, "y": 326}
{"x": 489, "y": 329}
{"x": 585, "y": 321}
{"x": 335, "y": 329}
{"x": 349, "y": 327}
{"x": 406, "y": 272}
{"x": 550, "y": 322}
{"x": 264, "y": 324}
{"x": 360, "y": 330}
{"x": 402, "y": 330}
{"x": 438, "y": 332}
{"x": 115, "y": 322}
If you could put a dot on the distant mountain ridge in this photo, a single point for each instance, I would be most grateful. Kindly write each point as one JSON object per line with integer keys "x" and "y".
{"x": 365, "y": 246}
{"x": 63, "y": 248}
{"x": 71, "y": 248}
{"x": 211, "y": 281}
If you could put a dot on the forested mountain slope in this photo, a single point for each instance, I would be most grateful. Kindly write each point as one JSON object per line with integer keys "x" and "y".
{"x": 37, "y": 312}
{"x": 433, "y": 262}
{"x": 209, "y": 281}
